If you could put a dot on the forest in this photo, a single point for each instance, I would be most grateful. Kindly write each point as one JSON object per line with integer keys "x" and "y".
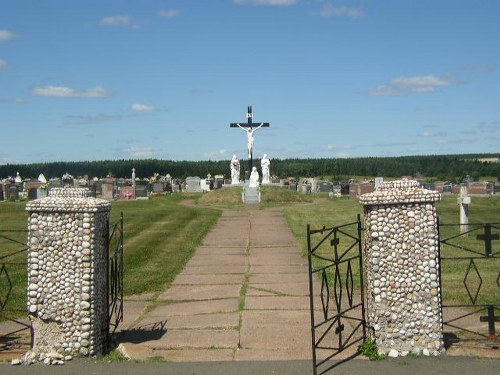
{"x": 432, "y": 167}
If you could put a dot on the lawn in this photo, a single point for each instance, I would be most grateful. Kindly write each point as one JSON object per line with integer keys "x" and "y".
{"x": 337, "y": 212}
{"x": 162, "y": 233}
{"x": 160, "y": 236}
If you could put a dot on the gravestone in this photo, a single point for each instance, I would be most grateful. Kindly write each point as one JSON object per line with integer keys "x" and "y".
{"x": 193, "y": 185}
{"x": 324, "y": 186}
{"x": 55, "y": 183}
{"x": 108, "y": 189}
{"x": 159, "y": 187}
{"x": 141, "y": 189}
{"x": 1, "y": 192}
{"x": 13, "y": 193}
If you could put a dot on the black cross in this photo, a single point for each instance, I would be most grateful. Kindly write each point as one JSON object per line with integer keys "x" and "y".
{"x": 487, "y": 237}
{"x": 250, "y": 125}
{"x": 491, "y": 319}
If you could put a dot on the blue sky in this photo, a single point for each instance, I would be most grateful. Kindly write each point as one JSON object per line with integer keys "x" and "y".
{"x": 115, "y": 79}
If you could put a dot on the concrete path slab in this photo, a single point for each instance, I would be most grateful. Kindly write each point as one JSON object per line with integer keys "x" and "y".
{"x": 208, "y": 279}
{"x": 201, "y": 292}
{"x": 242, "y": 296}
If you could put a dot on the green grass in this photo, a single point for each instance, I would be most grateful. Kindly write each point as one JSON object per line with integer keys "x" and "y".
{"x": 162, "y": 233}
{"x": 483, "y": 209}
{"x": 272, "y": 196}
{"x": 160, "y": 237}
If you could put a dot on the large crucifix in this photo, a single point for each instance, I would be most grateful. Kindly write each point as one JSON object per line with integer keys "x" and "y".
{"x": 250, "y": 127}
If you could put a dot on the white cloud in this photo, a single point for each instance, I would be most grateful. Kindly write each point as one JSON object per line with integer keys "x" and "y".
{"x": 6, "y": 35}
{"x": 169, "y": 13}
{"x": 330, "y": 10}
{"x": 407, "y": 85}
{"x": 266, "y": 2}
{"x": 4, "y": 64}
{"x": 432, "y": 134}
{"x": 139, "y": 152}
{"x": 66, "y": 92}
{"x": 13, "y": 100}
{"x": 216, "y": 155}
{"x": 137, "y": 107}
{"x": 201, "y": 91}
{"x": 484, "y": 68}
{"x": 116, "y": 21}
{"x": 80, "y": 120}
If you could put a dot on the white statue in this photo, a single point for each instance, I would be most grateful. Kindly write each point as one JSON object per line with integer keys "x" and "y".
{"x": 251, "y": 139}
{"x": 254, "y": 178}
{"x": 42, "y": 179}
{"x": 235, "y": 170}
{"x": 18, "y": 178}
{"x": 265, "y": 164}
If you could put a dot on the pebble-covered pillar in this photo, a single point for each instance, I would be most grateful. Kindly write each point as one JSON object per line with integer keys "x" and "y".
{"x": 402, "y": 267}
{"x": 67, "y": 261}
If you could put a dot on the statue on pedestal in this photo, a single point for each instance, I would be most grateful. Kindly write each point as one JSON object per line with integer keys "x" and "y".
{"x": 254, "y": 178}
{"x": 265, "y": 164}
{"x": 235, "y": 170}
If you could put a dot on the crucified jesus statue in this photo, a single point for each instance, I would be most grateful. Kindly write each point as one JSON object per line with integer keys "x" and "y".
{"x": 251, "y": 139}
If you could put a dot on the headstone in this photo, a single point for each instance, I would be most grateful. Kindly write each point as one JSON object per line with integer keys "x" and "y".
{"x": 1, "y": 192}
{"x": 108, "y": 188}
{"x": 159, "y": 187}
{"x": 141, "y": 189}
{"x": 55, "y": 183}
{"x": 205, "y": 185}
{"x": 193, "y": 185}
{"x": 218, "y": 181}
{"x": 13, "y": 193}
{"x": 325, "y": 186}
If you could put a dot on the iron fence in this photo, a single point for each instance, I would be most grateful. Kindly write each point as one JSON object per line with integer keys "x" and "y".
{"x": 15, "y": 328}
{"x": 470, "y": 282}
{"x": 335, "y": 255}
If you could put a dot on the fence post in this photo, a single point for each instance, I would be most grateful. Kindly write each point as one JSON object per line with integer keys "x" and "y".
{"x": 402, "y": 265}
{"x": 67, "y": 257}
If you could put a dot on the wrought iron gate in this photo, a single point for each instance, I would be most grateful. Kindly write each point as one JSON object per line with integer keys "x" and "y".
{"x": 15, "y": 329}
{"x": 115, "y": 276}
{"x": 470, "y": 282}
{"x": 338, "y": 313}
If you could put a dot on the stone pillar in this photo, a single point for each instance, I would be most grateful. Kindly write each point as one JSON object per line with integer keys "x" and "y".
{"x": 402, "y": 266}
{"x": 67, "y": 273}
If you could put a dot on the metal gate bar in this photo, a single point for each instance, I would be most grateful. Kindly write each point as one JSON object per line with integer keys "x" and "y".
{"x": 334, "y": 261}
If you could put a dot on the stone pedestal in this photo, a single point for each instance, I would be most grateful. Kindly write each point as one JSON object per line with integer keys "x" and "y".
{"x": 402, "y": 267}
{"x": 67, "y": 273}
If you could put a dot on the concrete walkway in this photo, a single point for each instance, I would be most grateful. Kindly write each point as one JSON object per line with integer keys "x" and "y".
{"x": 242, "y": 296}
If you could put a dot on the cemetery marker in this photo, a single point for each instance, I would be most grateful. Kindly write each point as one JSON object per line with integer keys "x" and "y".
{"x": 250, "y": 127}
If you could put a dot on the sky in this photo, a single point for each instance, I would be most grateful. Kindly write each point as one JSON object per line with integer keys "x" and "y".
{"x": 139, "y": 79}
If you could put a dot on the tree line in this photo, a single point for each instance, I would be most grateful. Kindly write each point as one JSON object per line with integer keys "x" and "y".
{"x": 438, "y": 167}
